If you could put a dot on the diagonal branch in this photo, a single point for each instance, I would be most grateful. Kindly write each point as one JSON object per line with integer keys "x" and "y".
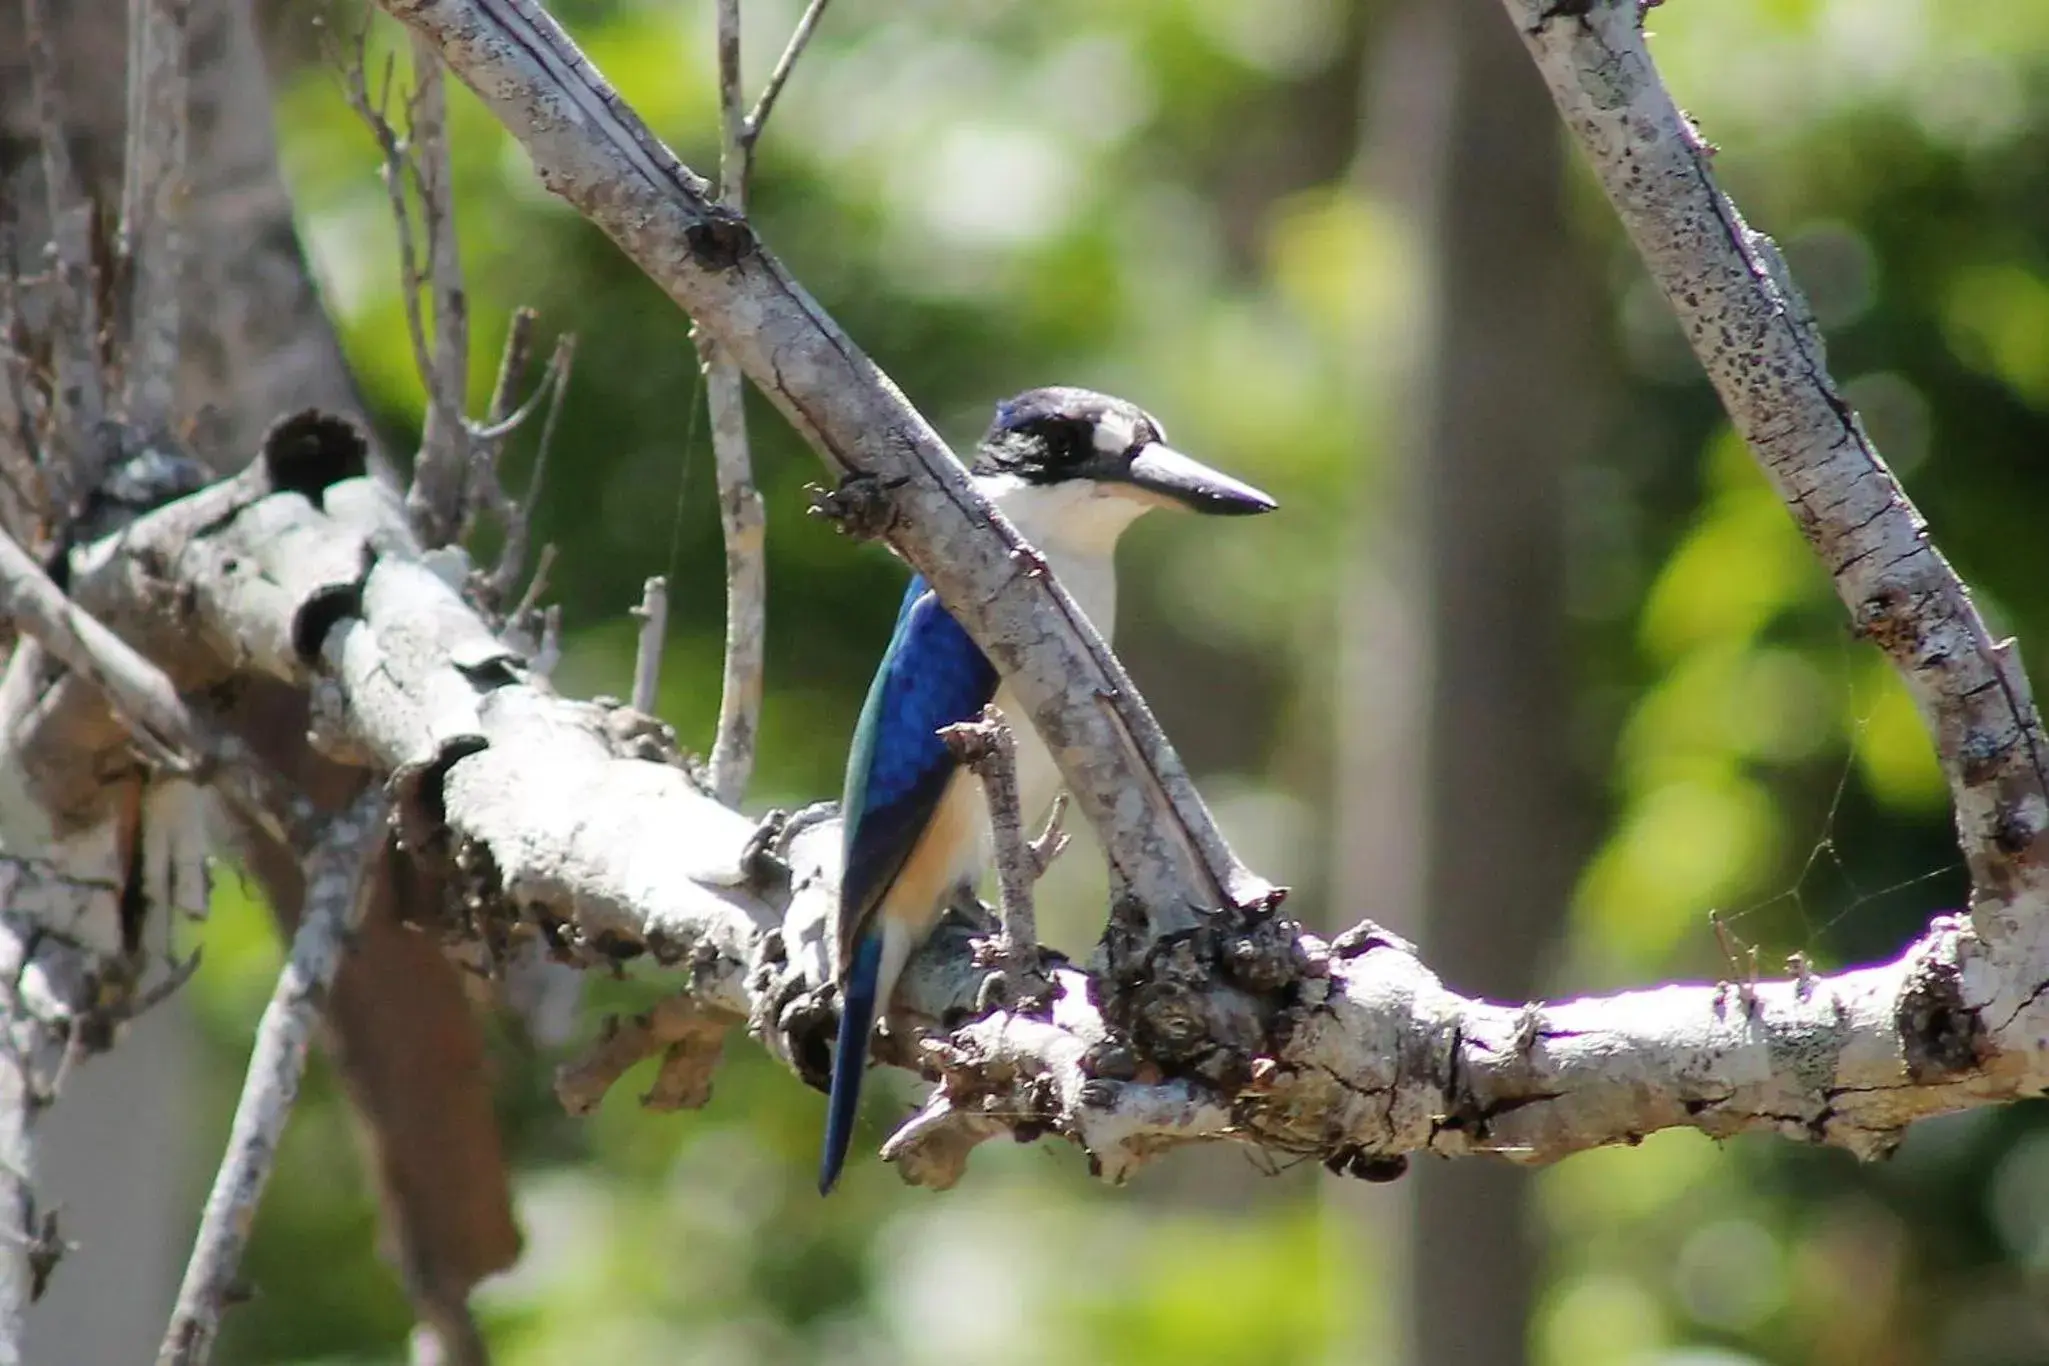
{"x": 772, "y": 90}
{"x": 334, "y": 909}
{"x": 1759, "y": 343}
{"x": 138, "y": 690}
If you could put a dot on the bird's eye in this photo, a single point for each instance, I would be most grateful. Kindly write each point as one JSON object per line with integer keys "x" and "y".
{"x": 1066, "y": 441}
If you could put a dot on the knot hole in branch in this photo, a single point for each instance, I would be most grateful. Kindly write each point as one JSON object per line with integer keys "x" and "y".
{"x": 721, "y": 240}
{"x": 310, "y": 451}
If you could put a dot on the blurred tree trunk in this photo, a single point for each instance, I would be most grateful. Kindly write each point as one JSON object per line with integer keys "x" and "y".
{"x": 1458, "y": 783}
{"x": 256, "y": 344}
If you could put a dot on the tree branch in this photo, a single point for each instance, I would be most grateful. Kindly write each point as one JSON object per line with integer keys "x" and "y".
{"x": 577, "y": 823}
{"x": 800, "y": 38}
{"x": 989, "y": 749}
{"x": 138, "y": 690}
{"x": 1759, "y": 343}
{"x": 334, "y": 910}
{"x": 441, "y": 476}
{"x": 742, "y": 517}
{"x": 647, "y": 656}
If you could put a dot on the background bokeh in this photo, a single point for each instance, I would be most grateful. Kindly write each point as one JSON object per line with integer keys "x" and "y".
{"x": 1211, "y": 206}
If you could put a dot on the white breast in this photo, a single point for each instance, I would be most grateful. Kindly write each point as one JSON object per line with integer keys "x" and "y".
{"x": 1075, "y": 526}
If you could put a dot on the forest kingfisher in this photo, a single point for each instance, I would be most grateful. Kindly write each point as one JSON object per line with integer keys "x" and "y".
{"x": 1071, "y": 469}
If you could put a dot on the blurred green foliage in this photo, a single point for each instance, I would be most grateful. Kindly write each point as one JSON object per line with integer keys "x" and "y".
{"x": 1158, "y": 199}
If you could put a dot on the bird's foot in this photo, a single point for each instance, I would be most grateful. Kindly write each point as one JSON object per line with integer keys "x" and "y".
{"x": 1016, "y": 977}
{"x": 861, "y": 506}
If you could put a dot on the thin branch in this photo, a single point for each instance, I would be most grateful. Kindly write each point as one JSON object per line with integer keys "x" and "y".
{"x": 512, "y": 364}
{"x": 47, "y": 991}
{"x": 153, "y": 207}
{"x": 680, "y": 1030}
{"x": 441, "y": 475}
{"x": 519, "y": 528}
{"x": 734, "y": 146}
{"x": 138, "y": 689}
{"x": 770, "y": 93}
{"x": 742, "y": 517}
{"x": 334, "y": 908}
{"x": 392, "y": 148}
{"x": 653, "y": 613}
{"x": 502, "y": 418}
{"x": 989, "y": 749}
{"x": 1759, "y": 343}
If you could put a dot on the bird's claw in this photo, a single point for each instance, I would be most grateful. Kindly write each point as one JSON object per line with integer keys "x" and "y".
{"x": 860, "y": 506}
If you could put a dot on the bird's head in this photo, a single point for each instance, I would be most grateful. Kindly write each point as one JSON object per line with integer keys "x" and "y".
{"x": 1086, "y": 464}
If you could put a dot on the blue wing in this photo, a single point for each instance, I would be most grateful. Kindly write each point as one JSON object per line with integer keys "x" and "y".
{"x": 898, "y": 767}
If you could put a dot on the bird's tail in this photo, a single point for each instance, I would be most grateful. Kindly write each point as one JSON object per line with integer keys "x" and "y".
{"x": 850, "y": 1057}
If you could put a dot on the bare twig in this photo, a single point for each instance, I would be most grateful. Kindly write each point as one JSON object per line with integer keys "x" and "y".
{"x": 989, "y": 749}
{"x": 653, "y": 612}
{"x": 734, "y": 143}
{"x": 374, "y": 111}
{"x": 800, "y": 37}
{"x": 334, "y": 908}
{"x": 686, "y": 1033}
{"x": 441, "y": 475}
{"x": 512, "y": 364}
{"x": 47, "y": 989}
{"x": 1050, "y": 842}
{"x": 153, "y": 207}
{"x": 137, "y": 688}
{"x": 519, "y": 526}
{"x": 549, "y": 653}
{"x": 742, "y": 517}
{"x": 502, "y": 418}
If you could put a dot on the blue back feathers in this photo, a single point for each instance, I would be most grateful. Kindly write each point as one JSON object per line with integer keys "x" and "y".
{"x": 898, "y": 767}
{"x": 897, "y": 771}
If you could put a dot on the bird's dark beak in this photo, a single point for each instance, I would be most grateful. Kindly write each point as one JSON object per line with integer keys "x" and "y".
{"x": 1173, "y": 478}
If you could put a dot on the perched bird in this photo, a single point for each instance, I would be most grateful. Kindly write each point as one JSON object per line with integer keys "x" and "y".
{"x": 1071, "y": 469}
